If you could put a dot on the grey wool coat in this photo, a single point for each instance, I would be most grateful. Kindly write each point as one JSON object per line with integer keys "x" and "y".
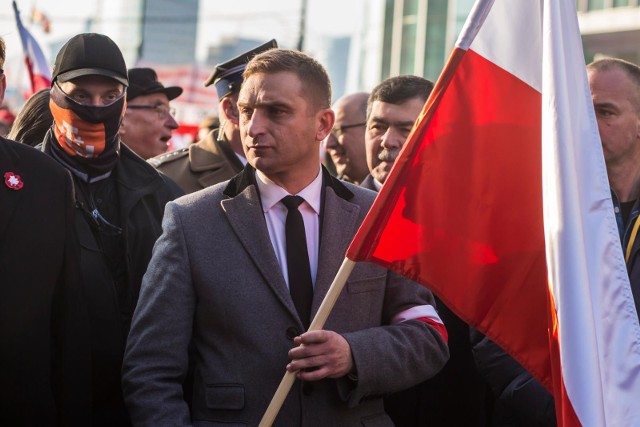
{"x": 214, "y": 302}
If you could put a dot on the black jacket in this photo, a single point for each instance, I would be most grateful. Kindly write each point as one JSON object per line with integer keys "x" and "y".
{"x": 142, "y": 194}
{"x": 44, "y": 327}
{"x": 625, "y": 230}
{"x": 518, "y": 398}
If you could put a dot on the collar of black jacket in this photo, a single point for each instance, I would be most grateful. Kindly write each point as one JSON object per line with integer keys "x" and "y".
{"x": 247, "y": 177}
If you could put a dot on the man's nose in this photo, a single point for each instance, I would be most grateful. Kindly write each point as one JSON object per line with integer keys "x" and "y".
{"x": 391, "y": 139}
{"x": 171, "y": 122}
{"x": 97, "y": 101}
{"x": 256, "y": 124}
{"x": 331, "y": 142}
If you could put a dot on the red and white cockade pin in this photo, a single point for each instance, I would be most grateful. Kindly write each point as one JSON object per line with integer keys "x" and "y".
{"x": 13, "y": 181}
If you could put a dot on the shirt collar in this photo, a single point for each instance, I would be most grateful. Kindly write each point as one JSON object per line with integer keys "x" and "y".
{"x": 271, "y": 193}
{"x": 377, "y": 184}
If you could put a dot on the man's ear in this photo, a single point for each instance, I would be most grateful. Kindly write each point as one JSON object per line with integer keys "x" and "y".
{"x": 3, "y": 87}
{"x": 230, "y": 110}
{"x": 326, "y": 119}
{"x": 122, "y": 130}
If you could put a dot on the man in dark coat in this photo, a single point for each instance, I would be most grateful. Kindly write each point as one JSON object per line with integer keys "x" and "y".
{"x": 120, "y": 202}
{"x": 149, "y": 120}
{"x": 44, "y": 334}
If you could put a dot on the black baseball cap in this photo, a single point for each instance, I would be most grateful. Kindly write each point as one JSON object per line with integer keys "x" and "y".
{"x": 227, "y": 76}
{"x": 144, "y": 81}
{"x": 90, "y": 54}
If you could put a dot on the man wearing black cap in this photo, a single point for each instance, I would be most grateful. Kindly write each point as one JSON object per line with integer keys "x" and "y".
{"x": 148, "y": 120}
{"x": 119, "y": 207}
{"x": 219, "y": 156}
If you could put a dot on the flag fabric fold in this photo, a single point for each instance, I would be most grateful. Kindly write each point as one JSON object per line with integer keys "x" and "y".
{"x": 499, "y": 203}
{"x": 598, "y": 333}
{"x": 37, "y": 66}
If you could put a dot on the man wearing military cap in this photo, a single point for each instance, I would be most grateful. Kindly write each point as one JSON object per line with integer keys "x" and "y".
{"x": 148, "y": 121}
{"x": 218, "y": 156}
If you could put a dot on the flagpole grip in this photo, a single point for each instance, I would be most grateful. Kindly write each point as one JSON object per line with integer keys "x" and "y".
{"x": 318, "y": 323}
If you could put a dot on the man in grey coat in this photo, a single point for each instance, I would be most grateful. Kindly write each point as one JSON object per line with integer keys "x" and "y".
{"x": 220, "y": 295}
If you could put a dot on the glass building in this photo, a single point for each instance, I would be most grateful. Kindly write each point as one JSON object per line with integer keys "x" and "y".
{"x": 610, "y": 28}
{"x": 150, "y": 31}
{"x": 419, "y": 35}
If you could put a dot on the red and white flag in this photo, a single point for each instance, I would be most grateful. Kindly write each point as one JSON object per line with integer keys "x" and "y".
{"x": 37, "y": 66}
{"x": 500, "y": 204}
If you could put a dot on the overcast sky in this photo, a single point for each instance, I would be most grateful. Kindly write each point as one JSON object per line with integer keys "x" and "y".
{"x": 248, "y": 18}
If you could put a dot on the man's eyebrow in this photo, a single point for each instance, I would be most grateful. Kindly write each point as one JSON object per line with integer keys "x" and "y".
{"x": 390, "y": 123}
{"x": 378, "y": 119}
{"x": 605, "y": 105}
{"x": 265, "y": 104}
{"x": 405, "y": 123}
{"x": 273, "y": 103}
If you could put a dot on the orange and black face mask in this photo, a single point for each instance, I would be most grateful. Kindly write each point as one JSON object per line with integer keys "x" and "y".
{"x": 85, "y": 130}
{"x": 86, "y": 135}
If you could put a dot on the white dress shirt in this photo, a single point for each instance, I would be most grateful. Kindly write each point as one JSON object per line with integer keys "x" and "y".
{"x": 275, "y": 213}
{"x": 377, "y": 184}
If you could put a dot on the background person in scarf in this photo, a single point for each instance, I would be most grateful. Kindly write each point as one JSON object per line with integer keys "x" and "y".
{"x": 120, "y": 202}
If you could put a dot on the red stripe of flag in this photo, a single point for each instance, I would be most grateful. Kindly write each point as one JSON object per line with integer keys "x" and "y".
{"x": 457, "y": 182}
{"x": 462, "y": 211}
{"x": 36, "y": 63}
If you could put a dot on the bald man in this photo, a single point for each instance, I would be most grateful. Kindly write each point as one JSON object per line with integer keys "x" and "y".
{"x": 345, "y": 144}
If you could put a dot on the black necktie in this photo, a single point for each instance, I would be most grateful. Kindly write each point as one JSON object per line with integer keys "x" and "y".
{"x": 298, "y": 259}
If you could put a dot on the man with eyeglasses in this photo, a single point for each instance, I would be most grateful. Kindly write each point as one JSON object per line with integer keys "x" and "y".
{"x": 119, "y": 207}
{"x": 149, "y": 119}
{"x": 345, "y": 143}
{"x": 219, "y": 156}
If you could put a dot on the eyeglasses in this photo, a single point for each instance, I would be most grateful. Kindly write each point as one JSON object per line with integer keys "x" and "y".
{"x": 338, "y": 131}
{"x": 162, "y": 110}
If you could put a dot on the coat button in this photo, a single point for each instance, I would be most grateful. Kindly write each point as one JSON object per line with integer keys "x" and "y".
{"x": 292, "y": 332}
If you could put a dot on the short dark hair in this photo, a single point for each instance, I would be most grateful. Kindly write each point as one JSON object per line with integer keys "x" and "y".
{"x": 3, "y": 52}
{"x": 399, "y": 89}
{"x": 34, "y": 119}
{"x": 309, "y": 71}
{"x": 629, "y": 68}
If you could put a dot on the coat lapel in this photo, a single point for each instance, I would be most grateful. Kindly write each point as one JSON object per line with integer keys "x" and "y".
{"x": 339, "y": 224}
{"x": 244, "y": 213}
{"x": 9, "y": 199}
